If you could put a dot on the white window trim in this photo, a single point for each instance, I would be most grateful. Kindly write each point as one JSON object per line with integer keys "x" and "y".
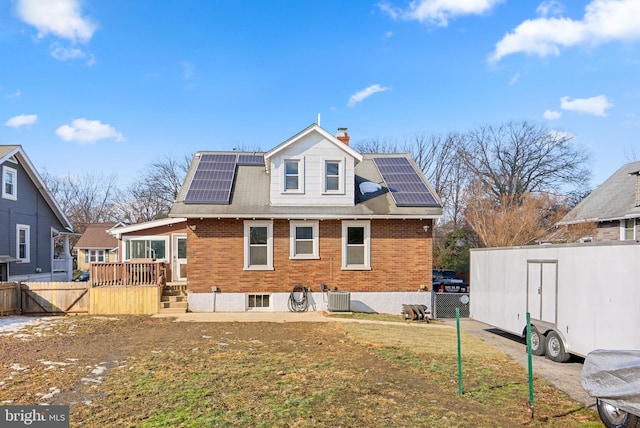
{"x": 126, "y": 239}
{"x": 27, "y": 236}
{"x": 341, "y": 176}
{"x": 13, "y": 196}
{"x": 260, "y": 308}
{"x": 292, "y": 239}
{"x": 623, "y": 229}
{"x": 367, "y": 244}
{"x": 301, "y": 174}
{"x": 247, "y": 244}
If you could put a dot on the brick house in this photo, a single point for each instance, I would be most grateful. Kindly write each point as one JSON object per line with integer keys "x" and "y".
{"x": 162, "y": 240}
{"x": 609, "y": 213}
{"x": 311, "y": 211}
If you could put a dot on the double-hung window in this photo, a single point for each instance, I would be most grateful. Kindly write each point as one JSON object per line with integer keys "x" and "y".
{"x": 628, "y": 229}
{"x": 293, "y": 175}
{"x": 333, "y": 179}
{"x": 258, "y": 245}
{"x": 304, "y": 240}
{"x": 356, "y": 243}
{"x": 23, "y": 245}
{"x": 9, "y": 183}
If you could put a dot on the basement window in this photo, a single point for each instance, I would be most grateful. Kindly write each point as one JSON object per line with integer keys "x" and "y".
{"x": 258, "y": 301}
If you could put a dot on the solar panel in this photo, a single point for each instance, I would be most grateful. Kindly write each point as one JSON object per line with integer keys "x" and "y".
{"x": 404, "y": 182}
{"x": 251, "y": 160}
{"x": 213, "y": 179}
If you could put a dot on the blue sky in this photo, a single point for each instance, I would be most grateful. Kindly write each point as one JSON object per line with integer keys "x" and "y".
{"x": 108, "y": 86}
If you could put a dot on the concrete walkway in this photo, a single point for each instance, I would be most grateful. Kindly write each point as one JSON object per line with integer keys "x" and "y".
{"x": 309, "y": 316}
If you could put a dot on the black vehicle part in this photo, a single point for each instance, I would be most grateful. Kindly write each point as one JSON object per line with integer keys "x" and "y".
{"x": 555, "y": 348}
{"x": 614, "y": 417}
{"x": 538, "y": 342}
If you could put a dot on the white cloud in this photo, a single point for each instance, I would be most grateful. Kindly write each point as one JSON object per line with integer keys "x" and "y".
{"x": 88, "y": 131}
{"x": 365, "y": 93}
{"x": 22, "y": 120}
{"x": 552, "y": 114}
{"x": 62, "y": 18}
{"x": 438, "y": 12}
{"x": 550, "y": 8}
{"x": 596, "y": 106}
{"x": 604, "y": 21}
{"x": 63, "y": 54}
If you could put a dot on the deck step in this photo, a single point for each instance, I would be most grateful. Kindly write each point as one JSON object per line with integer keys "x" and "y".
{"x": 177, "y": 305}
{"x": 165, "y": 298}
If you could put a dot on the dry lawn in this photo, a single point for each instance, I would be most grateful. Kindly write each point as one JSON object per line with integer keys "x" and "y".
{"x": 152, "y": 372}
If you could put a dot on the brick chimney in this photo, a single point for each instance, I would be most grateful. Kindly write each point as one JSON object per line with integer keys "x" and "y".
{"x": 343, "y": 136}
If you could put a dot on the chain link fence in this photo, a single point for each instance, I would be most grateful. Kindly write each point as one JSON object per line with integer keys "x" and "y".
{"x": 443, "y": 305}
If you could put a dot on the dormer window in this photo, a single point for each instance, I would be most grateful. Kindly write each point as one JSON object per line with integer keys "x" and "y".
{"x": 293, "y": 176}
{"x": 9, "y": 183}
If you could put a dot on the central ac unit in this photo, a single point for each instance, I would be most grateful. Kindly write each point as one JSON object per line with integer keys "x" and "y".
{"x": 339, "y": 301}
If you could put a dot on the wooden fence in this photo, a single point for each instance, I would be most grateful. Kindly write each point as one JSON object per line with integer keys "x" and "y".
{"x": 54, "y": 298}
{"x": 9, "y": 303}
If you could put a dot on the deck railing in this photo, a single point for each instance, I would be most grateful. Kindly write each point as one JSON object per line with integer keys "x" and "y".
{"x": 127, "y": 274}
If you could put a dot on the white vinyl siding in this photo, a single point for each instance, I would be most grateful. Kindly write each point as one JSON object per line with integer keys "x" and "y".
{"x": 313, "y": 151}
{"x": 9, "y": 183}
{"x": 258, "y": 245}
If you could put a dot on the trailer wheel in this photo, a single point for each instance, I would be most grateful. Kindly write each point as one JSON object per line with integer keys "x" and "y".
{"x": 538, "y": 342}
{"x": 613, "y": 417}
{"x": 555, "y": 348}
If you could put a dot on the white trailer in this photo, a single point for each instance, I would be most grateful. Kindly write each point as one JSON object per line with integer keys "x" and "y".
{"x": 580, "y": 297}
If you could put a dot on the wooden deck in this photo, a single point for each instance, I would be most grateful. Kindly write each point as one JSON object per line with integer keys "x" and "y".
{"x": 127, "y": 274}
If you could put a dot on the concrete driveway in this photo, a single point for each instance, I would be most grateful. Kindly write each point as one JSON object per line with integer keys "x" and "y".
{"x": 565, "y": 377}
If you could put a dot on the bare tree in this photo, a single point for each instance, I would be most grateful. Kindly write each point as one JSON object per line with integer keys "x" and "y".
{"x": 153, "y": 192}
{"x": 516, "y": 158}
{"x": 90, "y": 198}
{"x": 506, "y": 224}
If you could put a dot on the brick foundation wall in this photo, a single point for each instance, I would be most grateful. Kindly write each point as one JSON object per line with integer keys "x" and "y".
{"x": 401, "y": 259}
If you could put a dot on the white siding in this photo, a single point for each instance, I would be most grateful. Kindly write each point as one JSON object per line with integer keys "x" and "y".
{"x": 313, "y": 150}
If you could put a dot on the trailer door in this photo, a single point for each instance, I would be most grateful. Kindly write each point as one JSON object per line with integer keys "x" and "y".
{"x": 542, "y": 287}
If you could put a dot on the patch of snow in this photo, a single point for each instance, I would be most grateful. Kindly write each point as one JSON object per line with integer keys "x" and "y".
{"x": 369, "y": 187}
{"x": 13, "y": 324}
{"x": 16, "y": 366}
{"x": 99, "y": 370}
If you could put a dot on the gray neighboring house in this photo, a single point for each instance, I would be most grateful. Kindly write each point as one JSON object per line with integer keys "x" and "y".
{"x": 34, "y": 243}
{"x": 613, "y": 208}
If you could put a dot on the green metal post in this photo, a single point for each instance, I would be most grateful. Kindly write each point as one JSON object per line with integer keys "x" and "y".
{"x": 530, "y": 363}
{"x": 459, "y": 353}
